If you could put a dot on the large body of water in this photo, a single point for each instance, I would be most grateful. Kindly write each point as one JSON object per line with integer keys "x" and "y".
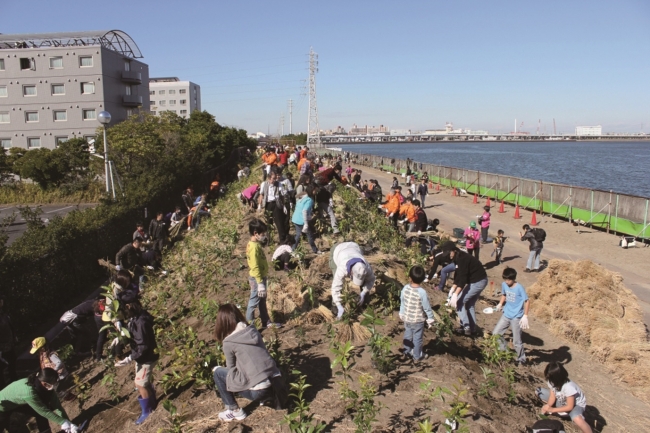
{"x": 619, "y": 166}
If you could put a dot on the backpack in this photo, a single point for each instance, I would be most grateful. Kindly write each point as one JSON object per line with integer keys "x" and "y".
{"x": 547, "y": 426}
{"x": 540, "y": 234}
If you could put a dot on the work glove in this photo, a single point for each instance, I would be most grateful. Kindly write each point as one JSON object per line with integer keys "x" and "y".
{"x": 402, "y": 221}
{"x": 68, "y": 427}
{"x": 453, "y": 302}
{"x": 118, "y": 268}
{"x": 426, "y": 280}
{"x": 114, "y": 343}
{"x": 430, "y": 323}
{"x": 362, "y": 297}
{"x": 434, "y": 276}
{"x": 391, "y": 214}
{"x": 261, "y": 291}
{"x": 523, "y": 323}
{"x": 150, "y": 268}
{"x": 498, "y": 307}
{"x": 124, "y": 362}
{"x": 118, "y": 325}
{"x": 402, "y": 318}
{"x": 305, "y": 229}
{"x": 341, "y": 310}
{"x": 378, "y": 207}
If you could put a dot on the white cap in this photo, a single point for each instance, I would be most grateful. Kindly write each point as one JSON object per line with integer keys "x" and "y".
{"x": 359, "y": 272}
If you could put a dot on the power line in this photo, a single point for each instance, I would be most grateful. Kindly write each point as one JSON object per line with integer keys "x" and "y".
{"x": 248, "y": 69}
{"x": 238, "y": 63}
{"x": 313, "y": 131}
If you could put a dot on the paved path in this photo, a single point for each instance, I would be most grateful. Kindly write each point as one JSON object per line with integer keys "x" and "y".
{"x": 562, "y": 241}
{"x": 49, "y": 211}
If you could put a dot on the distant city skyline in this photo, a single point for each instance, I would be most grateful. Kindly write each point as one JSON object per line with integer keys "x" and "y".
{"x": 412, "y": 65}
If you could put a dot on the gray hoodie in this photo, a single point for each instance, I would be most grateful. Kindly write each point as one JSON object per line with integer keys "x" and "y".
{"x": 247, "y": 358}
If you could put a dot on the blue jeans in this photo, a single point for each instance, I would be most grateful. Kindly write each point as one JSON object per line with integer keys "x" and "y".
{"x": 254, "y": 302}
{"x": 310, "y": 238}
{"x": 228, "y": 397}
{"x": 544, "y": 394}
{"x": 444, "y": 274}
{"x": 422, "y": 197}
{"x": 466, "y": 302}
{"x": 533, "y": 257}
{"x": 413, "y": 338}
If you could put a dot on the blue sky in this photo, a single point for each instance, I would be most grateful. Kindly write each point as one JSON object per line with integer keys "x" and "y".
{"x": 407, "y": 65}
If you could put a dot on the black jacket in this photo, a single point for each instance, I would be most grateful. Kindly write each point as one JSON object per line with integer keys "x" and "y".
{"x": 157, "y": 229}
{"x": 423, "y": 189}
{"x": 421, "y": 222}
{"x": 128, "y": 257}
{"x": 187, "y": 201}
{"x": 468, "y": 269}
{"x": 143, "y": 338}
{"x": 85, "y": 309}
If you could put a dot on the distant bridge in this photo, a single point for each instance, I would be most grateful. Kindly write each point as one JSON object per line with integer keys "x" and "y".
{"x": 427, "y": 138}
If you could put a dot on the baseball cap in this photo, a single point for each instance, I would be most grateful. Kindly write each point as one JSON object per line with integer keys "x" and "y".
{"x": 37, "y": 344}
{"x": 359, "y": 273}
{"x": 472, "y": 224}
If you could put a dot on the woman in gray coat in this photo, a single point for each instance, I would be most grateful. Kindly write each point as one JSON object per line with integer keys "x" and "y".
{"x": 249, "y": 367}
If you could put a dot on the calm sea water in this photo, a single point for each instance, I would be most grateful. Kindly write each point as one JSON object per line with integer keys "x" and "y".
{"x": 619, "y": 166}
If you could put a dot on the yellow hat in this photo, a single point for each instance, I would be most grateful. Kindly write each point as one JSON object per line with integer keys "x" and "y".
{"x": 37, "y": 344}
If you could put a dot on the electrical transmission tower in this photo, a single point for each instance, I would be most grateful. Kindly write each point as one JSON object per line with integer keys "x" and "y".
{"x": 290, "y": 116}
{"x": 313, "y": 131}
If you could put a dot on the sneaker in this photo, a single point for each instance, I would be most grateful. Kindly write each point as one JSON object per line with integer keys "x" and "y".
{"x": 336, "y": 232}
{"x": 230, "y": 415}
{"x": 527, "y": 270}
{"x": 426, "y": 280}
{"x": 423, "y": 358}
{"x": 271, "y": 325}
{"x": 468, "y": 332}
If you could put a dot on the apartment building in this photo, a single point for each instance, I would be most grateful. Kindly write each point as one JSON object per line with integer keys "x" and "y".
{"x": 53, "y": 85}
{"x": 172, "y": 94}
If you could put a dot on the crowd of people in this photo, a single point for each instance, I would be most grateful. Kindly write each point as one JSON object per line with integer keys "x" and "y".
{"x": 287, "y": 204}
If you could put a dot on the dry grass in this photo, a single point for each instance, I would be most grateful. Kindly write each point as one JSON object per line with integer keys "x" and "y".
{"x": 352, "y": 332}
{"x": 587, "y": 304}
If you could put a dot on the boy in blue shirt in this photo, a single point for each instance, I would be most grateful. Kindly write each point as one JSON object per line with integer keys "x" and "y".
{"x": 515, "y": 312}
{"x": 414, "y": 311}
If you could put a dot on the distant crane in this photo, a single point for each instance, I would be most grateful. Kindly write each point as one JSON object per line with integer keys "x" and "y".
{"x": 521, "y": 127}
{"x": 554, "y": 130}
{"x": 539, "y": 122}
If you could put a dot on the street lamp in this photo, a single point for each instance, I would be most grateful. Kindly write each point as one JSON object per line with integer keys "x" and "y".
{"x": 104, "y": 118}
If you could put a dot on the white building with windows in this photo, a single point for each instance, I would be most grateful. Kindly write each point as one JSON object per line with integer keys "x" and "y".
{"x": 172, "y": 94}
{"x": 589, "y": 130}
{"x": 53, "y": 85}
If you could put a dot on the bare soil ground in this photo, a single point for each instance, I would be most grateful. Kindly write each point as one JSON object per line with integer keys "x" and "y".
{"x": 202, "y": 273}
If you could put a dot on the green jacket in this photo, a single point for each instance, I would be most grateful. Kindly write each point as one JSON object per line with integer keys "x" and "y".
{"x": 20, "y": 393}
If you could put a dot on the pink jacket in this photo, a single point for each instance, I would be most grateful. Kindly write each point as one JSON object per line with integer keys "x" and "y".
{"x": 485, "y": 220}
{"x": 249, "y": 192}
{"x": 474, "y": 234}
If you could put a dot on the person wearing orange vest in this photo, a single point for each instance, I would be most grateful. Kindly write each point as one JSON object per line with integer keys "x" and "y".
{"x": 303, "y": 152}
{"x": 407, "y": 210}
{"x": 270, "y": 159}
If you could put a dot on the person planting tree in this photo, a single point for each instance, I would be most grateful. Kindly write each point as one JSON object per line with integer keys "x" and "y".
{"x": 515, "y": 304}
{"x": 346, "y": 260}
{"x": 415, "y": 310}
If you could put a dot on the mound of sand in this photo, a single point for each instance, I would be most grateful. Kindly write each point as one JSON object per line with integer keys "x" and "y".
{"x": 589, "y": 305}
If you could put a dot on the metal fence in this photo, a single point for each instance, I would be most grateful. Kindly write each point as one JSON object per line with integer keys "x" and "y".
{"x": 607, "y": 210}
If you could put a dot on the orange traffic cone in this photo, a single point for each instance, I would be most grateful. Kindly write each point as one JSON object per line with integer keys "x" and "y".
{"x": 453, "y": 191}
{"x": 517, "y": 216}
{"x": 438, "y": 187}
{"x": 475, "y": 199}
{"x": 533, "y": 221}
{"x": 488, "y": 202}
{"x": 502, "y": 208}
{"x": 430, "y": 185}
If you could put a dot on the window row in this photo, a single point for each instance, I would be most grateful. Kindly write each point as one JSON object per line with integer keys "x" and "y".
{"x": 170, "y": 92}
{"x": 181, "y": 112}
{"x": 171, "y": 102}
{"x": 55, "y": 62}
{"x": 55, "y": 89}
{"x": 35, "y": 142}
{"x": 57, "y": 115}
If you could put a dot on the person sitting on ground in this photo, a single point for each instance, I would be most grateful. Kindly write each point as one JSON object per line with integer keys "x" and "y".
{"x": 35, "y": 396}
{"x": 470, "y": 280}
{"x": 158, "y": 232}
{"x": 414, "y": 311}
{"x": 472, "y": 239}
{"x": 346, "y": 260}
{"x": 249, "y": 371}
{"x": 282, "y": 256}
{"x": 129, "y": 257}
{"x": 515, "y": 313}
{"x": 302, "y": 217}
{"x": 48, "y": 358}
{"x": 145, "y": 354}
{"x": 563, "y": 396}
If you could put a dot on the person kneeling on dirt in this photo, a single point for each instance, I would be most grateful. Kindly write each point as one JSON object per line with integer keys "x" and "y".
{"x": 346, "y": 260}
{"x": 469, "y": 281}
{"x": 414, "y": 311}
{"x": 515, "y": 312}
{"x": 282, "y": 256}
{"x": 143, "y": 351}
{"x": 35, "y": 396}
{"x": 563, "y": 396}
{"x": 249, "y": 369}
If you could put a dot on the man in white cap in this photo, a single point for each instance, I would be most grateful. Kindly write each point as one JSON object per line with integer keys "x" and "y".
{"x": 346, "y": 260}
